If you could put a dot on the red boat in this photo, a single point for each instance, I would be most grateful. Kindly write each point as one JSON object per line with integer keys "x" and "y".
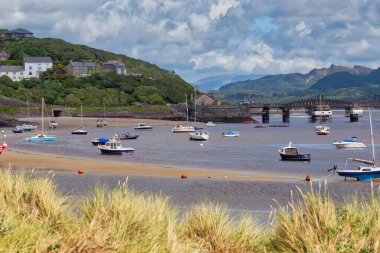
{"x": 251, "y": 122}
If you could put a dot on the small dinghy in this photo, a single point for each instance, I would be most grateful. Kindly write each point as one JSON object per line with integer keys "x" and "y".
{"x": 290, "y": 153}
{"x": 127, "y": 136}
{"x": 199, "y": 136}
{"x": 230, "y": 134}
{"x": 143, "y": 126}
{"x": 99, "y": 141}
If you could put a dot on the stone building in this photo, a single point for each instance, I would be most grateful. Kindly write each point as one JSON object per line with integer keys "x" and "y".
{"x": 117, "y": 66}
{"x": 82, "y": 69}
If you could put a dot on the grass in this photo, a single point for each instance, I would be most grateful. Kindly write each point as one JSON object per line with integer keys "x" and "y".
{"x": 35, "y": 217}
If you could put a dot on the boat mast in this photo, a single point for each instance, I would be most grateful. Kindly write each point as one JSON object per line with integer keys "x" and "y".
{"x": 373, "y": 145}
{"x": 187, "y": 110}
{"x": 42, "y": 118}
{"x": 27, "y": 107}
{"x": 195, "y": 106}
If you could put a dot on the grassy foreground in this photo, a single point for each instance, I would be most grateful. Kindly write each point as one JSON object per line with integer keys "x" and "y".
{"x": 34, "y": 217}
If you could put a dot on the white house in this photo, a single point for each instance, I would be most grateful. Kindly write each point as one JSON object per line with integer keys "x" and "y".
{"x": 16, "y": 73}
{"x": 34, "y": 66}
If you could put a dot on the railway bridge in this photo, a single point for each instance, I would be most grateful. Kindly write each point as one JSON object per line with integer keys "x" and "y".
{"x": 319, "y": 110}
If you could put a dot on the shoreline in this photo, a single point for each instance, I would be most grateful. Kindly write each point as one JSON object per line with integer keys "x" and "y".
{"x": 21, "y": 159}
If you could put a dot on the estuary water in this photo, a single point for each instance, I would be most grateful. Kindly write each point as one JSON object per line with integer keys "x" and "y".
{"x": 254, "y": 152}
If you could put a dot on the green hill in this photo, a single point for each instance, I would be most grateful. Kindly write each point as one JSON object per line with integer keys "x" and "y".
{"x": 157, "y": 86}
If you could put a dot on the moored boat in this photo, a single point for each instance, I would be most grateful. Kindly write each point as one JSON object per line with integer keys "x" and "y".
{"x": 349, "y": 143}
{"x": 127, "y": 136}
{"x": 290, "y": 153}
{"x": 81, "y": 130}
{"x": 99, "y": 141}
{"x": 322, "y": 130}
{"x": 28, "y": 127}
{"x": 42, "y": 137}
{"x": 362, "y": 173}
{"x": 210, "y": 124}
{"x": 5, "y": 145}
{"x": 183, "y": 129}
{"x": 230, "y": 134}
{"x": 143, "y": 126}
{"x": 114, "y": 147}
{"x": 18, "y": 130}
{"x": 199, "y": 136}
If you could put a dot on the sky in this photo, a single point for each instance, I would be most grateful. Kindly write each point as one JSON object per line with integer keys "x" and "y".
{"x": 202, "y": 38}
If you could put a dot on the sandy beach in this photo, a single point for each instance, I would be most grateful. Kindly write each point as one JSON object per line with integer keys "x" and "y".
{"x": 22, "y": 159}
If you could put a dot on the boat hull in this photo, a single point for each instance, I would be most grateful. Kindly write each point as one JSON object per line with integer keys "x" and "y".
{"x": 79, "y": 133}
{"x": 143, "y": 128}
{"x": 349, "y": 145}
{"x": 116, "y": 151}
{"x": 360, "y": 175}
{"x": 299, "y": 157}
{"x": 41, "y": 139}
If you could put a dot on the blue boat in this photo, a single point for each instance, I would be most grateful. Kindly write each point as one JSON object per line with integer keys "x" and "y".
{"x": 113, "y": 147}
{"x": 41, "y": 137}
{"x": 198, "y": 127}
{"x": 100, "y": 141}
{"x": 362, "y": 173}
{"x": 290, "y": 153}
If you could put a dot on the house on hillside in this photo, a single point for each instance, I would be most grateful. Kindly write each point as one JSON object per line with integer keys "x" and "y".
{"x": 206, "y": 100}
{"x": 117, "y": 66}
{"x": 4, "y": 56}
{"x": 18, "y": 34}
{"x": 34, "y": 66}
{"x": 82, "y": 69}
{"x": 16, "y": 73}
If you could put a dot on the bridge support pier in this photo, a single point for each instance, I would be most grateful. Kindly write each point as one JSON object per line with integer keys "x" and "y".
{"x": 321, "y": 113}
{"x": 353, "y": 113}
{"x": 265, "y": 114}
{"x": 285, "y": 115}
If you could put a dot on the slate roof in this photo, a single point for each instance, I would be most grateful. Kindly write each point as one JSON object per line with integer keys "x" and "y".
{"x": 117, "y": 63}
{"x": 84, "y": 64}
{"x": 37, "y": 60}
{"x": 18, "y": 30}
{"x": 11, "y": 68}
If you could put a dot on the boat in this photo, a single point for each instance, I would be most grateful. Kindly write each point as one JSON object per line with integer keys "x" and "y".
{"x": 183, "y": 129}
{"x": 143, "y": 126}
{"x": 114, "y": 147}
{"x": 210, "y": 124}
{"x": 99, "y": 141}
{"x": 42, "y": 137}
{"x": 53, "y": 124}
{"x": 81, "y": 130}
{"x": 199, "y": 136}
{"x": 28, "y": 127}
{"x": 363, "y": 173}
{"x": 322, "y": 130}
{"x": 5, "y": 145}
{"x": 198, "y": 127}
{"x": 127, "y": 136}
{"x": 260, "y": 126}
{"x": 18, "y": 130}
{"x": 349, "y": 143}
{"x": 230, "y": 134}
{"x": 251, "y": 122}
{"x": 290, "y": 153}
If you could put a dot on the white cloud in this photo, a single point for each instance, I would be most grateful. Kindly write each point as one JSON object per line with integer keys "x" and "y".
{"x": 221, "y": 8}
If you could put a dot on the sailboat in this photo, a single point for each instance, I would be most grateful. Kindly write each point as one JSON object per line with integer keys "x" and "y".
{"x": 198, "y": 135}
{"x": 362, "y": 173}
{"x": 5, "y": 145}
{"x": 42, "y": 136}
{"x": 181, "y": 128}
{"x": 81, "y": 130}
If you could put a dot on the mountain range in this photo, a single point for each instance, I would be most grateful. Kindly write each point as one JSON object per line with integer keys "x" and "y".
{"x": 337, "y": 82}
{"x": 215, "y": 82}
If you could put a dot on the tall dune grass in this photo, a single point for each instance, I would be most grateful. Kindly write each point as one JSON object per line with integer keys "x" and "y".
{"x": 34, "y": 217}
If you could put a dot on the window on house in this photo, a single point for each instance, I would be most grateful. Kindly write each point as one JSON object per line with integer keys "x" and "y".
{"x": 30, "y": 73}
{"x": 30, "y": 67}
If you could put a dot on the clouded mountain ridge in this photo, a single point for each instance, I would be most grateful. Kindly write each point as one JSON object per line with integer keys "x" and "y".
{"x": 282, "y": 82}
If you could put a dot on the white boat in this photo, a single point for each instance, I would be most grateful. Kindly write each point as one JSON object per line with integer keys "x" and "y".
{"x": 362, "y": 173}
{"x": 230, "y": 134}
{"x": 114, "y": 147}
{"x": 210, "y": 124}
{"x": 81, "y": 130}
{"x": 143, "y": 126}
{"x": 28, "y": 127}
{"x": 322, "y": 130}
{"x": 183, "y": 129}
{"x": 349, "y": 143}
{"x": 42, "y": 137}
{"x": 199, "y": 136}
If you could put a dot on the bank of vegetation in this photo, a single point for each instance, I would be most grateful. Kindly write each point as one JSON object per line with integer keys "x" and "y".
{"x": 152, "y": 85}
{"x": 35, "y": 217}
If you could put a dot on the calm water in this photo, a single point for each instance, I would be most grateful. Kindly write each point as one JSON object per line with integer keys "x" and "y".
{"x": 255, "y": 151}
